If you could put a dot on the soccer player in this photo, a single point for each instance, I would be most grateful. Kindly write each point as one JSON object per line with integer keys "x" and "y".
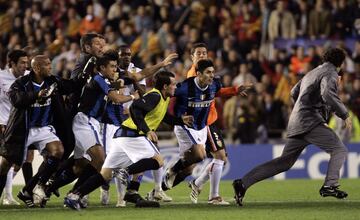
{"x": 92, "y": 47}
{"x": 215, "y": 145}
{"x": 194, "y": 97}
{"x": 315, "y": 97}
{"x": 136, "y": 149}
{"x": 134, "y": 79}
{"x": 35, "y": 119}
{"x": 18, "y": 62}
{"x": 86, "y": 124}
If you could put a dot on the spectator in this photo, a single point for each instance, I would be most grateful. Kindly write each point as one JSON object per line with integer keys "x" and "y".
{"x": 244, "y": 76}
{"x": 299, "y": 61}
{"x": 319, "y": 21}
{"x": 281, "y": 23}
{"x": 90, "y": 23}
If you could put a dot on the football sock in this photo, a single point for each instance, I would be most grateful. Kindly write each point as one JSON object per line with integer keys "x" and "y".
{"x": 51, "y": 164}
{"x": 27, "y": 171}
{"x": 133, "y": 186}
{"x": 9, "y": 181}
{"x": 158, "y": 175}
{"x": 67, "y": 176}
{"x": 90, "y": 185}
{"x": 204, "y": 176}
{"x": 2, "y": 183}
{"x": 143, "y": 165}
{"x": 180, "y": 165}
{"x": 215, "y": 177}
{"x": 87, "y": 172}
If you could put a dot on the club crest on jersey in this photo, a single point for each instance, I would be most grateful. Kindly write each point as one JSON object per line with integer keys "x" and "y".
{"x": 203, "y": 96}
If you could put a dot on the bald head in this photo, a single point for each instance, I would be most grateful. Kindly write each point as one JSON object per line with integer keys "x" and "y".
{"x": 41, "y": 65}
{"x": 38, "y": 60}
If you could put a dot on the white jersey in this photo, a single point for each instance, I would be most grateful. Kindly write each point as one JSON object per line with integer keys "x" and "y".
{"x": 6, "y": 79}
{"x": 130, "y": 88}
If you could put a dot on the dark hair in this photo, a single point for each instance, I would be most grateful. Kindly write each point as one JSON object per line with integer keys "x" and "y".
{"x": 163, "y": 78}
{"x": 335, "y": 56}
{"x": 14, "y": 56}
{"x": 203, "y": 64}
{"x": 87, "y": 38}
{"x": 197, "y": 45}
{"x": 110, "y": 55}
{"x": 124, "y": 46}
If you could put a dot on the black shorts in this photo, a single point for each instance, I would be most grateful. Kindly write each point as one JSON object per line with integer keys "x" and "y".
{"x": 215, "y": 141}
{"x": 32, "y": 147}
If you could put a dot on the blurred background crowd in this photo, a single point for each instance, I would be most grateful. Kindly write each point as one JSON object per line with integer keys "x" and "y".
{"x": 271, "y": 44}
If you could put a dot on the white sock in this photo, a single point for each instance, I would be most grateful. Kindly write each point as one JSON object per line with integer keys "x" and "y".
{"x": 121, "y": 189}
{"x": 9, "y": 181}
{"x": 158, "y": 176}
{"x": 215, "y": 177}
{"x": 204, "y": 176}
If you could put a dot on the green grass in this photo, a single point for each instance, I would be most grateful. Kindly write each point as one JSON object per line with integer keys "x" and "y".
{"x": 290, "y": 199}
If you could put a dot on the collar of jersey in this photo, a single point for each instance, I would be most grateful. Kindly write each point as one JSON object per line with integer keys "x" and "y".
{"x": 197, "y": 85}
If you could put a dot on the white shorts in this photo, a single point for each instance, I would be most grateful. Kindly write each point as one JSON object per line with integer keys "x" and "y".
{"x": 87, "y": 134}
{"x": 107, "y": 134}
{"x": 129, "y": 150}
{"x": 187, "y": 137}
{"x": 40, "y": 136}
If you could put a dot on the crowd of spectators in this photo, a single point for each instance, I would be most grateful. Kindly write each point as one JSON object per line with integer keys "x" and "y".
{"x": 241, "y": 36}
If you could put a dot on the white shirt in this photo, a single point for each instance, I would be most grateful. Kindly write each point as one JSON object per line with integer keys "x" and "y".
{"x": 130, "y": 88}
{"x": 7, "y": 78}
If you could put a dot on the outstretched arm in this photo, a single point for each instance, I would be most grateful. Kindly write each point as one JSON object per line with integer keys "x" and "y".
{"x": 153, "y": 69}
{"x": 234, "y": 90}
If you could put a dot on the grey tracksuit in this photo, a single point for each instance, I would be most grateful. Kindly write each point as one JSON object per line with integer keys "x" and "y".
{"x": 315, "y": 98}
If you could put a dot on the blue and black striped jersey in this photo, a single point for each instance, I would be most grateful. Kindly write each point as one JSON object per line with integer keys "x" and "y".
{"x": 40, "y": 112}
{"x": 93, "y": 100}
{"x": 192, "y": 100}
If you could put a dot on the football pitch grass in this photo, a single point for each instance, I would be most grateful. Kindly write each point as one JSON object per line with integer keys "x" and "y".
{"x": 289, "y": 199}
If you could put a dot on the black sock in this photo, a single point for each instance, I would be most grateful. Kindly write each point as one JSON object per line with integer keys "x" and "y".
{"x": 179, "y": 178}
{"x": 106, "y": 186}
{"x": 143, "y": 165}
{"x": 31, "y": 184}
{"x": 164, "y": 187}
{"x": 90, "y": 185}
{"x": 65, "y": 165}
{"x": 180, "y": 165}
{"x": 27, "y": 171}
{"x": 133, "y": 186}
{"x": 87, "y": 172}
{"x": 2, "y": 183}
{"x": 67, "y": 176}
{"x": 51, "y": 165}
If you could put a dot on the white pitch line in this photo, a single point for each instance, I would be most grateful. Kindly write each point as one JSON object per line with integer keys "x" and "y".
{"x": 175, "y": 203}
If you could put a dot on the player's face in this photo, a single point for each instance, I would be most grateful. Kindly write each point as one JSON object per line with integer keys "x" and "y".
{"x": 97, "y": 47}
{"x": 20, "y": 67}
{"x": 207, "y": 76}
{"x": 170, "y": 89}
{"x": 124, "y": 57}
{"x": 109, "y": 71}
{"x": 45, "y": 68}
{"x": 200, "y": 53}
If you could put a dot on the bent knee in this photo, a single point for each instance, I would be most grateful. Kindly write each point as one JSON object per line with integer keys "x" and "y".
{"x": 220, "y": 155}
{"x": 159, "y": 159}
